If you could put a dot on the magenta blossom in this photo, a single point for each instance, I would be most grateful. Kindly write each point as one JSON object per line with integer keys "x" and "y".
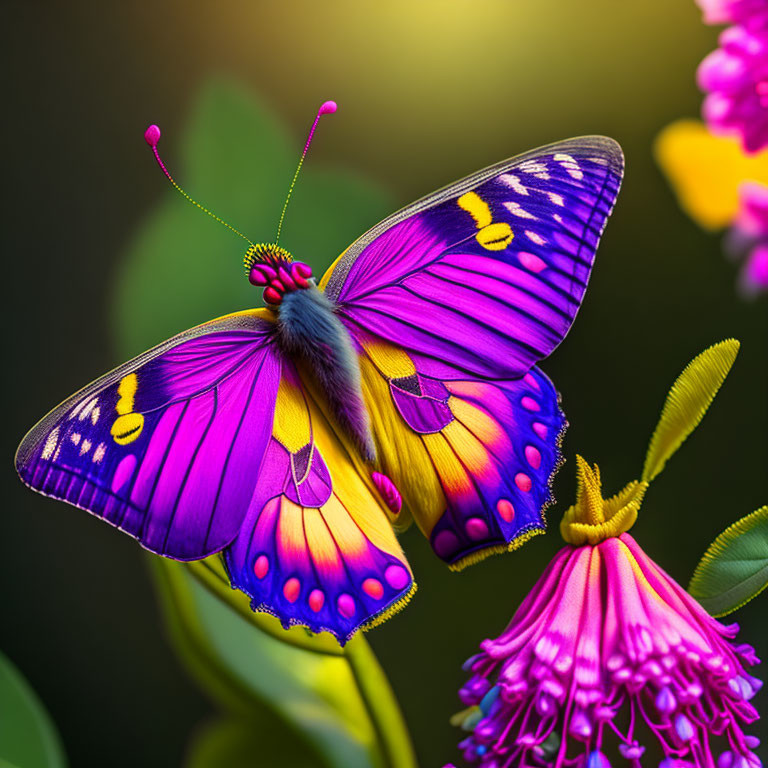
{"x": 752, "y": 13}
{"x": 608, "y": 657}
{"x": 748, "y": 238}
{"x": 607, "y": 637}
{"x": 735, "y": 77}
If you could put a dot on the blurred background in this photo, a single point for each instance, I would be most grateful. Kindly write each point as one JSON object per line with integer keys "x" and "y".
{"x": 428, "y": 92}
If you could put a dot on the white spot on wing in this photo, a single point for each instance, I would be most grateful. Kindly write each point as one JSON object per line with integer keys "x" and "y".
{"x": 75, "y": 438}
{"x": 532, "y": 166}
{"x": 570, "y": 165}
{"x": 85, "y": 447}
{"x": 517, "y": 210}
{"x": 555, "y": 199}
{"x": 535, "y": 237}
{"x": 50, "y": 444}
{"x": 513, "y": 181}
{"x": 99, "y": 453}
{"x": 87, "y": 408}
{"x": 95, "y": 413}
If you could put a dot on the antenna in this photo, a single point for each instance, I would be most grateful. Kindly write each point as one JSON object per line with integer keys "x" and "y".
{"x": 152, "y": 136}
{"x": 327, "y": 108}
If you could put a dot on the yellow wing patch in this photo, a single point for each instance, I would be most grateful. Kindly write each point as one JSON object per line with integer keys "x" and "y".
{"x": 426, "y": 468}
{"x": 477, "y": 208}
{"x": 126, "y": 392}
{"x": 128, "y": 425}
{"x": 492, "y": 236}
{"x": 393, "y": 362}
{"x": 291, "y": 426}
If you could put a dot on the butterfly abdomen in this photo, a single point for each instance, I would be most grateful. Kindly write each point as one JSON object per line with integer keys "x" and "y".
{"x": 309, "y": 330}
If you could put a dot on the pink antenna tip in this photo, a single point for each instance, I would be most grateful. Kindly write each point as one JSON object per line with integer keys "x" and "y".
{"x": 328, "y": 108}
{"x": 152, "y": 135}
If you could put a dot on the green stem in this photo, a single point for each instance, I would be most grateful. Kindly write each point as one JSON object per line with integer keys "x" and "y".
{"x": 381, "y": 704}
{"x": 372, "y": 683}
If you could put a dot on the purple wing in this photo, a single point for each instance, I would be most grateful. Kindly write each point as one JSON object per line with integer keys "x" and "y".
{"x": 316, "y": 547}
{"x": 168, "y": 446}
{"x": 504, "y": 507}
{"x": 485, "y": 277}
{"x": 472, "y": 460}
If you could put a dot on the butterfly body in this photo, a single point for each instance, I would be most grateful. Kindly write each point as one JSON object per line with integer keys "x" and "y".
{"x": 309, "y": 329}
{"x": 404, "y": 386}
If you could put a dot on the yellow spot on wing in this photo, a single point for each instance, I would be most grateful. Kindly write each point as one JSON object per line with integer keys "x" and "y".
{"x": 495, "y": 237}
{"x": 291, "y": 426}
{"x": 127, "y": 428}
{"x": 126, "y": 391}
{"x": 476, "y": 207}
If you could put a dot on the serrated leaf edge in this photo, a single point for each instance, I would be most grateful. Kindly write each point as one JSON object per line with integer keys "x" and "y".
{"x": 719, "y": 546}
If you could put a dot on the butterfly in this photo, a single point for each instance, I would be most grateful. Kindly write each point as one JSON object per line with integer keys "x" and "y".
{"x": 296, "y": 438}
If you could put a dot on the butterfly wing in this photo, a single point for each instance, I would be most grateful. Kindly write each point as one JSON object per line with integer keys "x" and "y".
{"x": 451, "y": 302}
{"x": 485, "y": 277}
{"x": 316, "y": 547}
{"x": 166, "y": 447}
{"x": 473, "y": 460}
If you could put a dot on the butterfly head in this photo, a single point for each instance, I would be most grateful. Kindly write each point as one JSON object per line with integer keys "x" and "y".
{"x": 272, "y": 267}
{"x": 267, "y": 264}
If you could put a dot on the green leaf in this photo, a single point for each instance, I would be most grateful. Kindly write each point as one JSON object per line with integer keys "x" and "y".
{"x": 28, "y": 738}
{"x": 335, "y": 704}
{"x": 183, "y": 268}
{"x": 735, "y": 567}
{"x": 687, "y": 402}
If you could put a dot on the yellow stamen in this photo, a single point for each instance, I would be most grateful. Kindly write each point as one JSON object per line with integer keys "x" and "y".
{"x": 593, "y": 519}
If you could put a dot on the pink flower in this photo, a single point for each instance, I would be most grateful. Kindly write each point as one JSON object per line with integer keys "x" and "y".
{"x": 606, "y": 630}
{"x": 748, "y": 238}
{"x": 608, "y": 653}
{"x": 735, "y": 77}
{"x": 747, "y": 12}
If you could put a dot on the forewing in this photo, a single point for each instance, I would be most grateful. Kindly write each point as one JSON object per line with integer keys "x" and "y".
{"x": 473, "y": 460}
{"x": 316, "y": 547}
{"x": 485, "y": 277}
{"x": 168, "y": 446}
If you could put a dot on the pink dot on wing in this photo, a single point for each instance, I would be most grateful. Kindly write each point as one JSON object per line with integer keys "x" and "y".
{"x": 261, "y": 566}
{"x": 476, "y": 528}
{"x": 506, "y": 510}
{"x": 396, "y": 576}
{"x": 373, "y": 588}
{"x": 291, "y": 589}
{"x": 523, "y": 482}
{"x": 316, "y": 600}
{"x": 346, "y": 605}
